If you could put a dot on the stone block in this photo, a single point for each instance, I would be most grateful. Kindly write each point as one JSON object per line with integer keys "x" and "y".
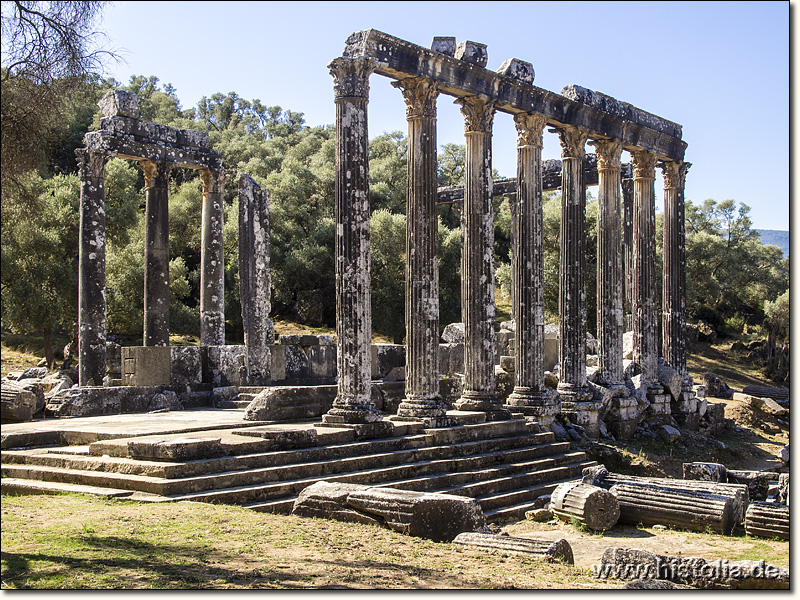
{"x": 504, "y": 383}
{"x": 225, "y": 365}
{"x": 473, "y": 53}
{"x": 192, "y": 138}
{"x": 96, "y": 401}
{"x": 518, "y": 69}
{"x": 146, "y": 365}
{"x": 296, "y": 361}
{"x": 305, "y": 340}
{"x": 283, "y": 437}
{"x": 164, "y": 402}
{"x": 386, "y": 357}
{"x": 322, "y": 361}
{"x": 705, "y": 472}
{"x": 281, "y": 403}
{"x": 277, "y": 362}
{"x": 507, "y": 363}
{"x": 453, "y": 333}
{"x": 668, "y": 433}
{"x": 186, "y": 364}
{"x": 550, "y": 352}
{"x": 175, "y": 449}
{"x": 451, "y": 358}
{"x": 119, "y": 103}
{"x": 444, "y": 45}
{"x": 439, "y": 517}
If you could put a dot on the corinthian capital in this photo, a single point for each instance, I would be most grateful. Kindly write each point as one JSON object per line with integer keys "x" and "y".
{"x": 351, "y": 76}
{"x": 420, "y": 95}
{"x": 156, "y": 174}
{"x": 609, "y": 154}
{"x": 91, "y": 165}
{"x": 478, "y": 113}
{"x": 573, "y": 141}
{"x": 674, "y": 174}
{"x": 530, "y": 127}
{"x": 644, "y": 165}
{"x": 213, "y": 180}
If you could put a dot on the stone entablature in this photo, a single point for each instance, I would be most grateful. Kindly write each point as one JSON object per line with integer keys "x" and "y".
{"x": 597, "y": 113}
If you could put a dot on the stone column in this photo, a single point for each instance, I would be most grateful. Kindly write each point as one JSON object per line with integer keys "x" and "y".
{"x": 575, "y": 393}
{"x": 212, "y": 260}
{"x": 254, "y": 279}
{"x": 609, "y": 264}
{"x": 530, "y": 395}
{"x": 627, "y": 244}
{"x": 674, "y": 301}
{"x": 477, "y": 262}
{"x": 92, "y": 269}
{"x": 156, "y": 253}
{"x": 422, "y": 400}
{"x": 645, "y": 325}
{"x": 353, "y": 405}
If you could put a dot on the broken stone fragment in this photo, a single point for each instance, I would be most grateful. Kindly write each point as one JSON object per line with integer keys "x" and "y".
{"x": 439, "y": 517}
{"x": 472, "y": 52}
{"x": 444, "y": 45}
{"x": 705, "y": 472}
{"x": 119, "y": 103}
{"x": 557, "y": 550}
{"x": 517, "y": 69}
{"x": 668, "y": 433}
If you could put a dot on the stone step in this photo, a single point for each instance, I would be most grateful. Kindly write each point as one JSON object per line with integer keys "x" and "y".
{"x": 418, "y": 475}
{"x": 59, "y": 458}
{"x": 14, "y": 486}
{"x": 468, "y": 455}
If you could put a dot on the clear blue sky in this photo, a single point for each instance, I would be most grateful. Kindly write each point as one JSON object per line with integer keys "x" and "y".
{"x": 720, "y": 69}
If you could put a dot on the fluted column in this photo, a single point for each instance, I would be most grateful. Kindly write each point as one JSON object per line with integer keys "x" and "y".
{"x": 92, "y": 268}
{"x": 609, "y": 263}
{"x": 212, "y": 260}
{"x": 477, "y": 262}
{"x": 645, "y": 325}
{"x": 156, "y": 253}
{"x": 674, "y": 300}
{"x": 353, "y": 404}
{"x": 572, "y": 276}
{"x": 627, "y": 244}
{"x": 530, "y": 395}
{"x": 422, "y": 398}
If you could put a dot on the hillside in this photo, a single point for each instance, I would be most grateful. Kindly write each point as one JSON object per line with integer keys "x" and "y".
{"x": 775, "y": 237}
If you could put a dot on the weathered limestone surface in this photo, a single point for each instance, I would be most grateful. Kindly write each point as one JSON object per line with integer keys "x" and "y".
{"x": 21, "y": 401}
{"x": 212, "y": 260}
{"x": 645, "y": 326}
{"x": 254, "y": 279}
{"x": 92, "y": 268}
{"x": 767, "y": 520}
{"x": 353, "y": 404}
{"x": 530, "y": 395}
{"x": 674, "y": 295}
{"x": 558, "y": 550}
{"x": 610, "y": 118}
{"x": 477, "y": 262}
{"x": 156, "y": 253}
{"x": 422, "y": 399}
{"x": 440, "y": 517}
{"x": 593, "y": 506}
{"x": 705, "y": 472}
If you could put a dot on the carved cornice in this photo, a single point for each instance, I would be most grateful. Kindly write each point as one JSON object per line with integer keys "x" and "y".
{"x": 91, "y": 165}
{"x": 351, "y": 76}
{"x": 609, "y": 154}
{"x": 644, "y": 165}
{"x": 420, "y": 94}
{"x": 213, "y": 181}
{"x": 156, "y": 174}
{"x": 530, "y": 127}
{"x": 674, "y": 174}
{"x": 573, "y": 141}
{"x": 478, "y": 113}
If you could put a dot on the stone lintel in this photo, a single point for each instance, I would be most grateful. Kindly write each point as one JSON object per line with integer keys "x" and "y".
{"x": 399, "y": 59}
{"x": 148, "y": 132}
{"x": 100, "y": 141}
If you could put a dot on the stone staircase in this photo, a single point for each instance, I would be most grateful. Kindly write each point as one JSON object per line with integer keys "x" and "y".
{"x": 505, "y": 465}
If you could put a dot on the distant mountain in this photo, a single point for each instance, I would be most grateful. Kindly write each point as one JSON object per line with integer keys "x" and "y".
{"x": 775, "y": 237}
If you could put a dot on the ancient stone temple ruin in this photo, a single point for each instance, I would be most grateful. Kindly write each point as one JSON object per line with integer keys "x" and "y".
{"x": 578, "y": 116}
{"x": 626, "y": 250}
